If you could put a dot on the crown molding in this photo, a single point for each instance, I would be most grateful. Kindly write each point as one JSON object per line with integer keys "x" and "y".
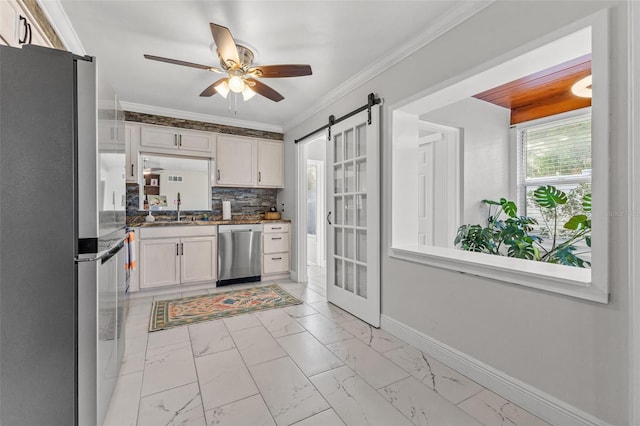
{"x": 446, "y": 22}
{"x": 206, "y": 118}
{"x": 59, "y": 20}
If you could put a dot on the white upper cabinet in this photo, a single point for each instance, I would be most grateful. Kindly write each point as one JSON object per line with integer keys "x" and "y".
{"x": 247, "y": 162}
{"x": 236, "y": 161}
{"x": 240, "y": 161}
{"x": 195, "y": 141}
{"x": 132, "y": 141}
{"x": 169, "y": 139}
{"x": 270, "y": 164}
{"x": 17, "y": 26}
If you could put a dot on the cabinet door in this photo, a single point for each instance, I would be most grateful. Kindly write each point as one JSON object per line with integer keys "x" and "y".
{"x": 17, "y": 26}
{"x": 159, "y": 137}
{"x": 196, "y": 141}
{"x": 8, "y": 23}
{"x": 159, "y": 262}
{"x": 198, "y": 259}
{"x": 236, "y": 161}
{"x": 132, "y": 142}
{"x": 270, "y": 163}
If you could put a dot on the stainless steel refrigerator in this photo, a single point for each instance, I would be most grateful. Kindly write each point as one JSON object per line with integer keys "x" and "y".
{"x": 62, "y": 225}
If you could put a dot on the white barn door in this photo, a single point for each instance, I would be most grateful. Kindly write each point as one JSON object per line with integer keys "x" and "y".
{"x": 353, "y": 201}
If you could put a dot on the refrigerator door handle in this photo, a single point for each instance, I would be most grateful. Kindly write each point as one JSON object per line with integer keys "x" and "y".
{"x": 104, "y": 255}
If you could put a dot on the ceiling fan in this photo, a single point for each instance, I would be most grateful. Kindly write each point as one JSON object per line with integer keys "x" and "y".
{"x": 236, "y": 61}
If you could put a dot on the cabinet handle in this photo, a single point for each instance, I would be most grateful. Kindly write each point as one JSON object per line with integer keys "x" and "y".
{"x": 181, "y": 249}
{"x": 276, "y": 227}
{"x": 175, "y": 139}
{"x": 329, "y": 218}
{"x": 279, "y": 238}
{"x": 276, "y": 258}
{"x": 259, "y": 176}
{"x": 180, "y": 138}
{"x": 131, "y": 170}
{"x": 30, "y": 33}
{"x": 177, "y": 249}
{"x": 218, "y": 174}
{"x": 26, "y": 30}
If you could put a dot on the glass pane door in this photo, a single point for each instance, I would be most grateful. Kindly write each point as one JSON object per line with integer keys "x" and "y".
{"x": 353, "y": 195}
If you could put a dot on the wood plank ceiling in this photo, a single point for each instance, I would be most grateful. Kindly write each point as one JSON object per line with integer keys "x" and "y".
{"x": 542, "y": 94}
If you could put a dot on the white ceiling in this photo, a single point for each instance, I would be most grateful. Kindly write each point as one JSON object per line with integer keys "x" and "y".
{"x": 339, "y": 39}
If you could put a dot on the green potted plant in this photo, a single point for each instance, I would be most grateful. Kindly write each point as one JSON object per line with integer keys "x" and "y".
{"x": 508, "y": 234}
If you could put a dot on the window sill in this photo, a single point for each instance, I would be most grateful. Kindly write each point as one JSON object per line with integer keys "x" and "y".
{"x": 566, "y": 280}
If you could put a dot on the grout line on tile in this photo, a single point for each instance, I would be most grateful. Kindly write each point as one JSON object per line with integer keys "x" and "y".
{"x": 193, "y": 358}
{"x": 250, "y": 375}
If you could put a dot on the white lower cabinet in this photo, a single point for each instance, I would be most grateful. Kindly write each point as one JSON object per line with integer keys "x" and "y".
{"x": 275, "y": 249}
{"x": 159, "y": 262}
{"x": 198, "y": 259}
{"x": 173, "y": 255}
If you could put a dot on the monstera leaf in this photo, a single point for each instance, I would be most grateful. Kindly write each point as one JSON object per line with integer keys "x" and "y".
{"x": 586, "y": 202}
{"x": 509, "y": 207}
{"x": 579, "y": 221}
{"x": 549, "y": 197}
{"x": 565, "y": 256}
{"x": 522, "y": 249}
{"x": 475, "y": 238}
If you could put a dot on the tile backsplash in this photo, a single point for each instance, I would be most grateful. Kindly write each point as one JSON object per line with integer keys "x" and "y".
{"x": 244, "y": 201}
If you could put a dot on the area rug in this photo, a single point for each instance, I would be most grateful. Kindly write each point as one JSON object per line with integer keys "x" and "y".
{"x": 191, "y": 310}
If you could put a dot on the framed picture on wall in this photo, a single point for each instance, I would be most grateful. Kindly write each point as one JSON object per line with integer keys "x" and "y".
{"x": 154, "y": 182}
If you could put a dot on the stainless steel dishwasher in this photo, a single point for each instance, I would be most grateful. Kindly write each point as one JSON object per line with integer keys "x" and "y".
{"x": 239, "y": 253}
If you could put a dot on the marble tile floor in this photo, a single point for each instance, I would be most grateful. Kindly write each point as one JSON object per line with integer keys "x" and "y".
{"x": 309, "y": 364}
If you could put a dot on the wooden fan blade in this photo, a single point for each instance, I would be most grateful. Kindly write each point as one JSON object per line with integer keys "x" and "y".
{"x": 224, "y": 41}
{"x": 264, "y": 90}
{"x": 177, "y": 62}
{"x": 211, "y": 90}
{"x": 278, "y": 71}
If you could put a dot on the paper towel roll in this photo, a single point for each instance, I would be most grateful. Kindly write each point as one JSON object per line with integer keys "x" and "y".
{"x": 226, "y": 210}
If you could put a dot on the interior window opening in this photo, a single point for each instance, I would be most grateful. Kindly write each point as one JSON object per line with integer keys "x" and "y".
{"x": 504, "y": 171}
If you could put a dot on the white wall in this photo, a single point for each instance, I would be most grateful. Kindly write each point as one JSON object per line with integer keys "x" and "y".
{"x": 317, "y": 149}
{"x": 193, "y": 189}
{"x": 405, "y": 169}
{"x": 572, "y": 349}
{"x": 486, "y": 152}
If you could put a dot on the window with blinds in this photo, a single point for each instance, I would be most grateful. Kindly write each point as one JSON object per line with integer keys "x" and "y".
{"x": 555, "y": 153}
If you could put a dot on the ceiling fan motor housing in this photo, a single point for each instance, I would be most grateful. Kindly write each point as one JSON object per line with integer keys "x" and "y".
{"x": 244, "y": 54}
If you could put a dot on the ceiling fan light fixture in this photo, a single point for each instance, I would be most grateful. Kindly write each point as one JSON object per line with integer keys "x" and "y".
{"x": 236, "y": 84}
{"x": 222, "y": 89}
{"x": 582, "y": 87}
{"x": 247, "y": 93}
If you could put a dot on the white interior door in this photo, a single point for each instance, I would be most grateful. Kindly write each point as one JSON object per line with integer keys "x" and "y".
{"x": 353, "y": 201}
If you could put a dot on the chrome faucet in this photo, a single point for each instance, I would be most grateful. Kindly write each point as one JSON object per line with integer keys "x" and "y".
{"x": 178, "y": 202}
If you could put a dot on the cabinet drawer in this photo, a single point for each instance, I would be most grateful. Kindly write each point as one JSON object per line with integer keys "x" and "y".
{"x": 275, "y": 243}
{"x": 177, "y": 231}
{"x": 275, "y": 263}
{"x": 277, "y": 227}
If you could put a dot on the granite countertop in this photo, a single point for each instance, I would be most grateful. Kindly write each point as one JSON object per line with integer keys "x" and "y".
{"x": 196, "y": 220}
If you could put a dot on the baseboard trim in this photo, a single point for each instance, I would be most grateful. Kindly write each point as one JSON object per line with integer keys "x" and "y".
{"x": 543, "y": 405}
